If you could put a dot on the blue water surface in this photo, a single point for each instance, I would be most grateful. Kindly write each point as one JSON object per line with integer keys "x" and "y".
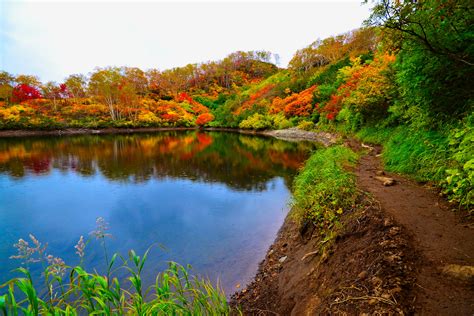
{"x": 212, "y": 200}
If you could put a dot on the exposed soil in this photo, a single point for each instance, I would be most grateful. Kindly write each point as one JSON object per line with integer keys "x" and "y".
{"x": 368, "y": 269}
{"x": 402, "y": 250}
{"x": 445, "y": 273}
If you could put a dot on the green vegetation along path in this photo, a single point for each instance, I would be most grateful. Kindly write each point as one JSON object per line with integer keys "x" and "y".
{"x": 445, "y": 269}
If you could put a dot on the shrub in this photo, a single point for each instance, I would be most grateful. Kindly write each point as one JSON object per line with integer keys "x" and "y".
{"x": 204, "y": 119}
{"x": 281, "y": 122}
{"x": 257, "y": 122}
{"x": 459, "y": 182}
{"x": 324, "y": 188}
{"x": 306, "y": 125}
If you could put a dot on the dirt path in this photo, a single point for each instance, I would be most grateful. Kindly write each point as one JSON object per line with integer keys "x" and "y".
{"x": 439, "y": 237}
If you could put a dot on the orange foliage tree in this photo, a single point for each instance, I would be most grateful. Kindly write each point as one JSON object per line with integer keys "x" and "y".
{"x": 204, "y": 119}
{"x": 297, "y": 104}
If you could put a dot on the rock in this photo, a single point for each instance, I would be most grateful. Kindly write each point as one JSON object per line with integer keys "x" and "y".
{"x": 465, "y": 273}
{"x": 387, "y": 222}
{"x": 362, "y": 275}
{"x": 386, "y": 181}
{"x": 271, "y": 252}
{"x": 282, "y": 259}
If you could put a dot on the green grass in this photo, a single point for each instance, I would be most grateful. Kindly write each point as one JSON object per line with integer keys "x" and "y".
{"x": 175, "y": 292}
{"x": 444, "y": 158}
{"x": 71, "y": 290}
{"x": 325, "y": 188}
{"x": 420, "y": 154}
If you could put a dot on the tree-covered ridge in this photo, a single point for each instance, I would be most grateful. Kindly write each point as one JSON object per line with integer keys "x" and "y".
{"x": 403, "y": 80}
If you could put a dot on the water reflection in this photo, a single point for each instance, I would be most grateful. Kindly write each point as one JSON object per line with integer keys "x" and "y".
{"x": 214, "y": 200}
{"x": 240, "y": 161}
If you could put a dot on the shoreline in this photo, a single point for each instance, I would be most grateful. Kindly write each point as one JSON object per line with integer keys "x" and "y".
{"x": 290, "y": 134}
{"x": 297, "y": 278}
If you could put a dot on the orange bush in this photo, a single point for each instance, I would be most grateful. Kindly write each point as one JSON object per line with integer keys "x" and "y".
{"x": 297, "y": 104}
{"x": 204, "y": 118}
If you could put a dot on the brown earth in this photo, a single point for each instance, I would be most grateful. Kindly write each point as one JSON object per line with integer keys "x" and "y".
{"x": 400, "y": 251}
{"x": 369, "y": 269}
{"x": 444, "y": 240}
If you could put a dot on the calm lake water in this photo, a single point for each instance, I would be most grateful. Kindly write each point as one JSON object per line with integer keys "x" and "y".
{"x": 213, "y": 200}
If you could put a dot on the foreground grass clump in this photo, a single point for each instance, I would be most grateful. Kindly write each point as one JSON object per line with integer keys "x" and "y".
{"x": 71, "y": 290}
{"x": 325, "y": 188}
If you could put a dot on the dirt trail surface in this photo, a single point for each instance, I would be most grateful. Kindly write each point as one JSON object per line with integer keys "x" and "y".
{"x": 445, "y": 271}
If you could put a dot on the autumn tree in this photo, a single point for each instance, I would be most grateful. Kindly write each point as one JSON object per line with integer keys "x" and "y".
{"x": 77, "y": 85}
{"x": 204, "y": 119}
{"x": 137, "y": 79}
{"x": 28, "y": 80}
{"x": 104, "y": 84}
{"x": 7, "y": 82}
{"x": 55, "y": 92}
{"x": 24, "y": 92}
{"x": 435, "y": 57}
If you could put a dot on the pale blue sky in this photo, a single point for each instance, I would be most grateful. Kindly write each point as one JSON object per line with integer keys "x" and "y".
{"x": 57, "y": 38}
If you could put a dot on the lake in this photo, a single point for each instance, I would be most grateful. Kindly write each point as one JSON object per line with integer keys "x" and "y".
{"x": 210, "y": 199}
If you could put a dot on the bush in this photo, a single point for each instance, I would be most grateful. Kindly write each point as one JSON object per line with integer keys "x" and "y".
{"x": 324, "y": 188}
{"x": 256, "y": 122}
{"x": 306, "y": 125}
{"x": 204, "y": 119}
{"x": 459, "y": 182}
{"x": 281, "y": 122}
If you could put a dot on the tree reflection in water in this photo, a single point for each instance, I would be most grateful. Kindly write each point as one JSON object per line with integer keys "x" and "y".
{"x": 241, "y": 162}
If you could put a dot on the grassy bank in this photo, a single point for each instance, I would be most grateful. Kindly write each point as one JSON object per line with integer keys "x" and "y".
{"x": 324, "y": 189}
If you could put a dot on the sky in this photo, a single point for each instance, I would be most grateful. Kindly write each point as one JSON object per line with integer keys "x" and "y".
{"x": 53, "y": 39}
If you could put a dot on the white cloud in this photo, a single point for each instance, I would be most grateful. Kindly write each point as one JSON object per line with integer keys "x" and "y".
{"x": 55, "y": 39}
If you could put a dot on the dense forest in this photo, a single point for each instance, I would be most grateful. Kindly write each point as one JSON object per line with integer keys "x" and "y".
{"x": 404, "y": 80}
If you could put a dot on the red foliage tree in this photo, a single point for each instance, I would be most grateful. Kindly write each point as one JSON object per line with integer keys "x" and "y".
{"x": 24, "y": 92}
{"x": 204, "y": 118}
{"x": 184, "y": 97}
